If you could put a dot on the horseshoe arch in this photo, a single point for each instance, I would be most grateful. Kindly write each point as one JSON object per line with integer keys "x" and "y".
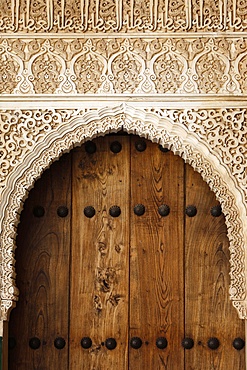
{"x": 186, "y": 132}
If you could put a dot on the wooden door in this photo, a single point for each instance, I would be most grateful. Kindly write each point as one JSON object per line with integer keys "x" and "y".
{"x": 112, "y": 264}
{"x": 100, "y": 256}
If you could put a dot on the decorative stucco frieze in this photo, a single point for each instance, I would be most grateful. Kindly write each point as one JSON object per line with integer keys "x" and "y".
{"x": 164, "y": 65}
{"x": 213, "y": 141}
{"x": 76, "y": 16}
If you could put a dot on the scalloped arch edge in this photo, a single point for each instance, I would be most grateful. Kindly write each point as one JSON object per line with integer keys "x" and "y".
{"x": 178, "y": 135}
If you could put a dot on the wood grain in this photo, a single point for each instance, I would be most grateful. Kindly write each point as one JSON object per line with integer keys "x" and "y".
{"x": 208, "y": 311}
{"x": 43, "y": 248}
{"x": 156, "y": 266}
{"x": 100, "y": 253}
{"x": 146, "y": 276}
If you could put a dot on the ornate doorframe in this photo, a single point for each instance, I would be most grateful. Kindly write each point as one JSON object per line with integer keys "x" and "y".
{"x": 212, "y": 141}
{"x": 174, "y": 72}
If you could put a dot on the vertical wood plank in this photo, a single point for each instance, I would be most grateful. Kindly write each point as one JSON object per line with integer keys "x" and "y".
{"x": 4, "y": 329}
{"x": 156, "y": 263}
{"x": 209, "y": 312}
{"x": 42, "y": 266}
{"x": 163, "y": 287}
{"x": 100, "y": 256}
{"x": 1, "y": 353}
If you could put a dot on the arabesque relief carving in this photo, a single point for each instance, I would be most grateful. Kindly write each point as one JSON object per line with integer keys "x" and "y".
{"x": 31, "y": 139}
{"x": 123, "y": 66}
{"x": 123, "y": 16}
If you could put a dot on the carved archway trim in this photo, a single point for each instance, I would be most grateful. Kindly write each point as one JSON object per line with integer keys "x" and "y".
{"x": 212, "y": 141}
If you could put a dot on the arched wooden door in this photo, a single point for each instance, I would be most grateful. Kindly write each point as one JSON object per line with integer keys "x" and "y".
{"x": 116, "y": 267}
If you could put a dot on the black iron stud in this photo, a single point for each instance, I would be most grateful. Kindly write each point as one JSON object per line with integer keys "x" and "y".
{"x": 38, "y": 211}
{"x": 188, "y": 343}
{"x": 62, "y": 211}
{"x": 90, "y": 147}
{"x": 86, "y": 342}
{"x": 191, "y": 211}
{"x": 216, "y": 211}
{"x": 161, "y": 342}
{"x": 115, "y": 211}
{"x": 89, "y": 211}
{"x": 110, "y": 343}
{"x": 164, "y": 210}
{"x": 116, "y": 147}
{"x": 34, "y": 343}
{"x": 162, "y": 149}
{"x": 139, "y": 209}
{"x": 140, "y": 145}
{"x": 12, "y": 343}
{"x": 59, "y": 343}
{"x": 136, "y": 342}
{"x": 238, "y": 343}
{"x": 213, "y": 343}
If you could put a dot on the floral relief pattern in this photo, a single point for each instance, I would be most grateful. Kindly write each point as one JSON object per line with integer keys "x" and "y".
{"x": 116, "y": 65}
{"x": 168, "y": 69}
{"x": 88, "y": 71}
{"x": 210, "y": 73}
{"x": 46, "y": 71}
{"x": 9, "y": 69}
{"x": 242, "y": 76}
{"x": 126, "y": 72}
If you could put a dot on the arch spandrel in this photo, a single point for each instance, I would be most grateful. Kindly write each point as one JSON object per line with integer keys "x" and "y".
{"x": 188, "y": 133}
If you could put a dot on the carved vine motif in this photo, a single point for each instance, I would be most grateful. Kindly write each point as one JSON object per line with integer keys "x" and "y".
{"x": 126, "y": 72}
{"x": 132, "y": 65}
{"x": 218, "y": 133}
{"x": 122, "y": 15}
{"x": 45, "y": 74}
{"x": 88, "y": 71}
{"x": 242, "y": 76}
{"x": 8, "y": 71}
{"x": 210, "y": 69}
{"x": 168, "y": 69}
{"x": 20, "y": 131}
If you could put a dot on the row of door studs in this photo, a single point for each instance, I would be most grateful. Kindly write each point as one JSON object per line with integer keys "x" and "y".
{"x": 116, "y": 147}
{"x": 139, "y": 210}
{"x": 135, "y": 342}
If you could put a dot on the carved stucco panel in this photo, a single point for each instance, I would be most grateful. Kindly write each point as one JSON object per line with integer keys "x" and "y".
{"x": 132, "y": 16}
{"x": 213, "y": 141}
{"x": 212, "y": 69}
{"x": 123, "y": 66}
{"x": 168, "y": 69}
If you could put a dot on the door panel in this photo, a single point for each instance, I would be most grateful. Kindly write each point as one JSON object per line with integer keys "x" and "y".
{"x": 43, "y": 274}
{"x": 100, "y": 256}
{"x": 146, "y": 276}
{"x": 156, "y": 294}
{"x": 208, "y": 311}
